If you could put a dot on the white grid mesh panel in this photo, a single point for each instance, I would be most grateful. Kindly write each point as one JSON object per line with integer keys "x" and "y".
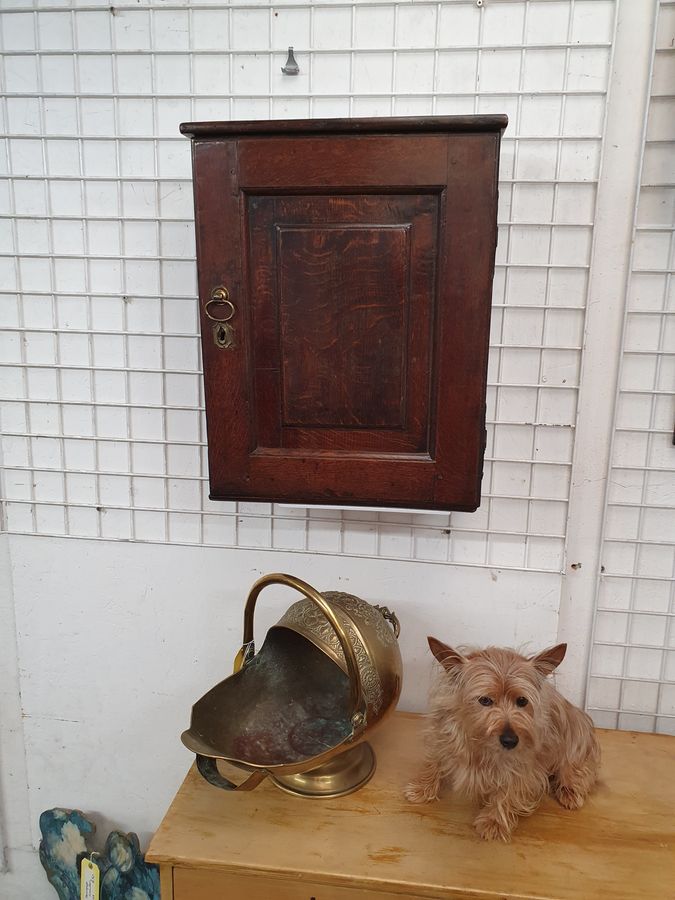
{"x": 632, "y": 672}
{"x": 102, "y": 406}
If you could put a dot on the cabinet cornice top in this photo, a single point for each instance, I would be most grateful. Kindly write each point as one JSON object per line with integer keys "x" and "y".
{"x": 377, "y": 125}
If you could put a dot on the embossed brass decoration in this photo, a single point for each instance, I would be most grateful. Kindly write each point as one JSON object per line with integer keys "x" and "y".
{"x": 223, "y": 332}
{"x": 299, "y": 710}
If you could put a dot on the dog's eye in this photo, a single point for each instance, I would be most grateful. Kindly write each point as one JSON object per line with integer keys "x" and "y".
{"x": 485, "y": 701}
{"x": 522, "y": 701}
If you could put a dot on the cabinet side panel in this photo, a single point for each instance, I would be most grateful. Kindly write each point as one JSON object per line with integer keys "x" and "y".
{"x": 463, "y": 326}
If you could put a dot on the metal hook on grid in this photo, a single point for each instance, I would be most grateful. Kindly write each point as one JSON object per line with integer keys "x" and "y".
{"x": 291, "y": 67}
{"x": 479, "y": 2}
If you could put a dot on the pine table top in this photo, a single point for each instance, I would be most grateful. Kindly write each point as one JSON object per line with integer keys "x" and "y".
{"x": 621, "y": 845}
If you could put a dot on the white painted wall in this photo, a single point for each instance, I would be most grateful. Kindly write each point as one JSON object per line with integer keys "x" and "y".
{"x": 20, "y": 873}
{"x": 115, "y": 613}
{"x": 117, "y": 640}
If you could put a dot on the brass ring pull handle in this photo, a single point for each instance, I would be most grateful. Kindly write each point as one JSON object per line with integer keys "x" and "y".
{"x": 220, "y": 295}
{"x": 223, "y": 332}
{"x": 247, "y": 651}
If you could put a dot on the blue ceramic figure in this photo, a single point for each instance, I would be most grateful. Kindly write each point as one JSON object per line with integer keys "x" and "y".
{"x": 62, "y": 848}
{"x": 124, "y": 873}
{"x": 128, "y": 876}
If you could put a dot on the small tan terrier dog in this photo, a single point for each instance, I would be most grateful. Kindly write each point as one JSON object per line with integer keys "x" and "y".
{"x": 502, "y": 735}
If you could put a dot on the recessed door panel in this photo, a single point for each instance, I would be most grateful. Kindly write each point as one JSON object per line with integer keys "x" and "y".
{"x": 343, "y": 308}
{"x": 342, "y": 294}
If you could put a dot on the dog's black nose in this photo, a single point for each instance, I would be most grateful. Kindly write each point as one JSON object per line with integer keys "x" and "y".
{"x": 508, "y": 739}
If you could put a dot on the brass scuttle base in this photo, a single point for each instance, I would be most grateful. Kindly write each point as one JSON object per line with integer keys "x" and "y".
{"x": 342, "y": 775}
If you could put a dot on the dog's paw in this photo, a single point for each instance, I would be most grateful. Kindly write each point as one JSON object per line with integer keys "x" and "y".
{"x": 569, "y": 798}
{"x": 418, "y": 792}
{"x": 491, "y": 829}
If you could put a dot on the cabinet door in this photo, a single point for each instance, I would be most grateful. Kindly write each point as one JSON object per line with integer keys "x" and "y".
{"x": 359, "y": 272}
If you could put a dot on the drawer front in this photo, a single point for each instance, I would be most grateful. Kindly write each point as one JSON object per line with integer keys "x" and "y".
{"x": 209, "y": 884}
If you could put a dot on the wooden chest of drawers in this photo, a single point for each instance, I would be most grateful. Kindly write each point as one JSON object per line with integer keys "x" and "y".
{"x": 345, "y": 280}
{"x": 373, "y": 845}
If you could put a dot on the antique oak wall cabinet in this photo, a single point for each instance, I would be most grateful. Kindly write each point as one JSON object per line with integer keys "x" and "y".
{"x": 345, "y": 276}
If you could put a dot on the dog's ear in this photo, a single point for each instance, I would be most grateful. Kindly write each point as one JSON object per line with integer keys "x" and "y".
{"x": 450, "y": 659}
{"x": 548, "y": 660}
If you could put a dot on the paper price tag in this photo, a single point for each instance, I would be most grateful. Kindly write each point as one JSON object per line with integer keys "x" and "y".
{"x": 90, "y": 881}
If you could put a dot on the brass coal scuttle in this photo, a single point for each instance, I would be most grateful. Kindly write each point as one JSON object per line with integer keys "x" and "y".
{"x": 299, "y": 710}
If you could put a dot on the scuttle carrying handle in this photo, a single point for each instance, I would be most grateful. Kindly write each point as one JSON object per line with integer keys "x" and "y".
{"x": 208, "y": 769}
{"x": 247, "y": 651}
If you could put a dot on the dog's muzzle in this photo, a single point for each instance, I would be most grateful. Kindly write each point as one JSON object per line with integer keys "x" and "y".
{"x": 508, "y": 739}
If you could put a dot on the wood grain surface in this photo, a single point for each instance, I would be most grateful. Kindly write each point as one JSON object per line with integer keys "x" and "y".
{"x": 621, "y": 845}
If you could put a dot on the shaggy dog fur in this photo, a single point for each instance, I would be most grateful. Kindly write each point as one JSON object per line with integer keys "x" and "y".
{"x": 502, "y": 735}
